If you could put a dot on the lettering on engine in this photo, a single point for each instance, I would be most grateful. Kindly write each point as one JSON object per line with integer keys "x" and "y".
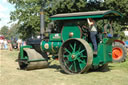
{"x": 56, "y": 36}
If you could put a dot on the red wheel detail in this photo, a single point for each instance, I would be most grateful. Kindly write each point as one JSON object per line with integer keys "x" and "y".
{"x": 119, "y": 41}
{"x": 117, "y": 53}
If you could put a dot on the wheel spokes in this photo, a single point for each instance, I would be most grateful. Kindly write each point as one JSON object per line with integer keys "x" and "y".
{"x": 83, "y": 56}
{"x": 74, "y": 56}
{"x": 70, "y": 67}
{"x": 71, "y": 46}
{"x": 68, "y": 57}
{"x": 68, "y": 51}
{"x": 74, "y": 47}
{"x": 81, "y": 61}
{"x": 81, "y": 65}
{"x": 80, "y": 52}
{"x": 75, "y": 66}
{"x": 79, "y": 48}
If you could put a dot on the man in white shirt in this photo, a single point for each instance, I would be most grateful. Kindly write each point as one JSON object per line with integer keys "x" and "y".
{"x": 5, "y": 44}
{"x": 19, "y": 41}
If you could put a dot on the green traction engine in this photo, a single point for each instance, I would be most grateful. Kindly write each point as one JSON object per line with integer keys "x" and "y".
{"x": 70, "y": 43}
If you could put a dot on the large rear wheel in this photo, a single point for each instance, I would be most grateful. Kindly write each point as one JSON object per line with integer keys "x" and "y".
{"x": 75, "y": 56}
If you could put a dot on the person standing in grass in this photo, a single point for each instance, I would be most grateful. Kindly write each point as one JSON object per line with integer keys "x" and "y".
{"x": 5, "y": 44}
{"x": 1, "y": 44}
{"x": 10, "y": 45}
{"x": 19, "y": 41}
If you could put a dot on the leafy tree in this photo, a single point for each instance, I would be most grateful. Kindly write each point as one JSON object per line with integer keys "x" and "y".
{"x": 120, "y": 6}
{"x": 4, "y": 31}
{"x": 66, "y": 6}
{"x": 27, "y": 14}
{"x": 10, "y": 33}
{"x": 13, "y": 31}
{"x": 27, "y": 11}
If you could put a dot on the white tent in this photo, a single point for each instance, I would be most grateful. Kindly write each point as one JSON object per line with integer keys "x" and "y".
{"x": 126, "y": 33}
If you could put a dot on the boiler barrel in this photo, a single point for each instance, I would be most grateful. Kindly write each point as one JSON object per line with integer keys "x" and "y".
{"x": 52, "y": 47}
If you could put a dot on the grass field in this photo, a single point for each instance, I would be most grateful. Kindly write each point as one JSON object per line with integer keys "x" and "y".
{"x": 11, "y": 75}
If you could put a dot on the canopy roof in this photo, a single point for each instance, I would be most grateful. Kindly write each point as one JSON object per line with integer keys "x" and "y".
{"x": 84, "y": 15}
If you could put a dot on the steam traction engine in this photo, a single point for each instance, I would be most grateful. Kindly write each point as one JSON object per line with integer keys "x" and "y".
{"x": 70, "y": 43}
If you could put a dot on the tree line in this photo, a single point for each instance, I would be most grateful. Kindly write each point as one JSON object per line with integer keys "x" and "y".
{"x": 10, "y": 32}
{"x": 27, "y": 12}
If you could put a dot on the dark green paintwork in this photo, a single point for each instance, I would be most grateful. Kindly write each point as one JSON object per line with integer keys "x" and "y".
{"x": 37, "y": 60}
{"x": 73, "y": 55}
{"x": 104, "y": 52}
{"x": 79, "y": 53}
{"x": 78, "y": 17}
{"x": 72, "y": 28}
{"x": 106, "y": 14}
{"x": 113, "y": 12}
{"x": 104, "y": 48}
{"x": 22, "y": 57}
{"x": 55, "y": 37}
{"x": 53, "y": 47}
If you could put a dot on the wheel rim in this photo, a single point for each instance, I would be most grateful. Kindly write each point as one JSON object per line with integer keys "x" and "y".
{"x": 117, "y": 53}
{"x": 73, "y": 57}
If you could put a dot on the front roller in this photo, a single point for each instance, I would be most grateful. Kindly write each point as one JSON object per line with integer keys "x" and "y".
{"x": 75, "y": 56}
{"x": 34, "y": 60}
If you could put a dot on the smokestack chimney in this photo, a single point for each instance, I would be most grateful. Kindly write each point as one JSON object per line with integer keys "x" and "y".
{"x": 42, "y": 23}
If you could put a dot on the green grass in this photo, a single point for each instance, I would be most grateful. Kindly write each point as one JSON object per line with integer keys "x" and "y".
{"x": 117, "y": 75}
{"x": 122, "y": 65}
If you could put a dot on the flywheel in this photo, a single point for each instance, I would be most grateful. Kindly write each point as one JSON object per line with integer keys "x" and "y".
{"x": 75, "y": 56}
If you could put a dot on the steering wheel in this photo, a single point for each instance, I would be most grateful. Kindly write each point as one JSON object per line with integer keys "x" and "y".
{"x": 110, "y": 30}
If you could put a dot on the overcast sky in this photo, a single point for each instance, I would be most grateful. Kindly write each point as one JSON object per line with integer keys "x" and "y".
{"x": 5, "y": 9}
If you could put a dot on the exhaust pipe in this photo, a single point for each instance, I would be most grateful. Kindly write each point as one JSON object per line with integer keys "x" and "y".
{"x": 42, "y": 23}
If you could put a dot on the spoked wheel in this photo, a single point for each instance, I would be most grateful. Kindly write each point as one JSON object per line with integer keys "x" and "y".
{"x": 75, "y": 56}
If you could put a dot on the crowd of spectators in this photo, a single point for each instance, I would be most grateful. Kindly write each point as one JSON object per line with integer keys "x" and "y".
{"x": 11, "y": 44}
{"x": 3, "y": 44}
